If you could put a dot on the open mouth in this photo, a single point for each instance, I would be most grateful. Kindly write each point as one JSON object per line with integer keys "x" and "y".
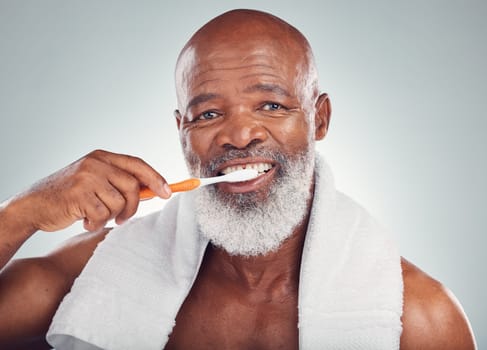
{"x": 261, "y": 168}
{"x": 266, "y": 169}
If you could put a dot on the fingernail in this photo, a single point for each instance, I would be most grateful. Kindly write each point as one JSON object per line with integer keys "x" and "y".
{"x": 167, "y": 189}
{"x": 119, "y": 221}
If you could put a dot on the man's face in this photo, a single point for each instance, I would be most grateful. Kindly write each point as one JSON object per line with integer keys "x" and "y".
{"x": 239, "y": 96}
{"x": 247, "y": 103}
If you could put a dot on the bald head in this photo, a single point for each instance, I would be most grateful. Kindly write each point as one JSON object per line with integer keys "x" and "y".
{"x": 246, "y": 34}
{"x": 248, "y": 25}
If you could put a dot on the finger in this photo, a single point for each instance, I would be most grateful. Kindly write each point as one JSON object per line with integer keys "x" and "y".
{"x": 117, "y": 189}
{"x": 95, "y": 213}
{"x": 128, "y": 211}
{"x": 144, "y": 173}
{"x": 91, "y": 226}
{"x": 112, "y": 198}
{"x": 129, "y": 187}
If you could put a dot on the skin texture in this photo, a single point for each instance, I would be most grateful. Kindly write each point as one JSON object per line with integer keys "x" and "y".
{"x": 233, "y": 93}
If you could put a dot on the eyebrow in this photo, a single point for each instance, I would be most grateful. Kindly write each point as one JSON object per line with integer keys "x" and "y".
{"x": 201, "y": 98}
{"x": 268, "y": 88}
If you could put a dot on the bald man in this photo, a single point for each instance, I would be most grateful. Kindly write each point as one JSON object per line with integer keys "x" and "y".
{"x": 248, "y": 96}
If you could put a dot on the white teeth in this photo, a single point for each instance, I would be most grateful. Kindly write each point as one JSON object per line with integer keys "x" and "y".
{"x": 260, "y": 167}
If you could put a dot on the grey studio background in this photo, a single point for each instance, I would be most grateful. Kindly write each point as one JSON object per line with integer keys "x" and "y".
{"x": 407, "y": 83}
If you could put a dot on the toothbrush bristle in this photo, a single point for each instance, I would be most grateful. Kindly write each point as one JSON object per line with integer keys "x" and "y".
{"x": 242, "y": 175}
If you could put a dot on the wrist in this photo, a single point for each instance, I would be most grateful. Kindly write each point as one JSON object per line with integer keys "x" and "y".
{"x": 15, "y": 219}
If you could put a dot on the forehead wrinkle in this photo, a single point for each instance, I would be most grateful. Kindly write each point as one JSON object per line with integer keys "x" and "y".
{"x": 199, "y": 74}
{"x": 206, "y": 82}
{"x": 259, "y": 75}
{"x": 220, "y": 68}
{"x": 268, "y": 88}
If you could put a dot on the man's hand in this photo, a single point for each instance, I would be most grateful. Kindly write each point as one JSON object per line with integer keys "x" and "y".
{"x": 96, "y": 188}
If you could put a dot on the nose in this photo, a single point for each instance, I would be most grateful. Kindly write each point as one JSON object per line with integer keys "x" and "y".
{"x": 240, "y": 130}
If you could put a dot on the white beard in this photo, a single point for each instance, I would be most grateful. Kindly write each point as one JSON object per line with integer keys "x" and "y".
{"x": 242, "y": 224}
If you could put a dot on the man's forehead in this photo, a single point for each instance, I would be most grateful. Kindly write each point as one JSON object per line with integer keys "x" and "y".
{"x": 263, "y": 54}
{"x": 246, "y": 59}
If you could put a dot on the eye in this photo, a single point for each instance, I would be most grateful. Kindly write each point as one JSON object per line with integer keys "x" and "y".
{"x": 272, "y": 106}
{"x": 207, "y": 115}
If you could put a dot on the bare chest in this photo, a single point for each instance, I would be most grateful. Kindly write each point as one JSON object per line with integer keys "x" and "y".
{"x": 229, "y": 321}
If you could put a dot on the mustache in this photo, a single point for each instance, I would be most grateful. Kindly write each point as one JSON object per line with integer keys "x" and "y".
{"x": 232, "y": 154}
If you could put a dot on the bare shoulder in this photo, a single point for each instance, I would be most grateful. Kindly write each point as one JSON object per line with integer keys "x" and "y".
{"x": 31, "y": 290}
{"x": 432, "y": 316}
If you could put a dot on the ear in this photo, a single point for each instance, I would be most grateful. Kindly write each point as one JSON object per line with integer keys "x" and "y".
{"x": 322, "y": 116}
{"x": 177, "y": 114}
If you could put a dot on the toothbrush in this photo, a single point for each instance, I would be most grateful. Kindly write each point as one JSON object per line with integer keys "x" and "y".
{"x": 193, "y": 183}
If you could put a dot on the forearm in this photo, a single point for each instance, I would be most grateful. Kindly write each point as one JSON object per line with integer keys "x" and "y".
{"x": 15, "y": 227}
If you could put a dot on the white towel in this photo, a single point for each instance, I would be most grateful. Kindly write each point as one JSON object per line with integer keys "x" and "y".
{"x": 128, "y": 295}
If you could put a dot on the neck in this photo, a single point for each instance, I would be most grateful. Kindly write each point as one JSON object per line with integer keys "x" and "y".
{"x": 261, "y": 272}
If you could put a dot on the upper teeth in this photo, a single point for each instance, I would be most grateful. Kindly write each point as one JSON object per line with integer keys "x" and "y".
{"x": 260, "y": 167}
